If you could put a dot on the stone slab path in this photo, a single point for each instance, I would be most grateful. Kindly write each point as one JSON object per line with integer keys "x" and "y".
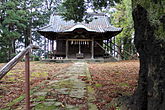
{"x": 68, "y": 92}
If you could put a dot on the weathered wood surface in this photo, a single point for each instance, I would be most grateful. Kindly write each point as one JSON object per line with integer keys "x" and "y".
{"x": 15, "y": 60}
{"x": 102, "y": 47}
{"x": 27, "y": 81}
{"x": 92, "y": 50}
{"x": 66, "y": 49}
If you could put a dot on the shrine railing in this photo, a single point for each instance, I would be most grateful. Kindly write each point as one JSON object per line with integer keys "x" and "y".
{"x": 5, "y": 69}
{"x": 115, "y": 51}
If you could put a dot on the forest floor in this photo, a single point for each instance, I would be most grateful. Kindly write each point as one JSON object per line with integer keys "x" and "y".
{"x": 69, "y": 86}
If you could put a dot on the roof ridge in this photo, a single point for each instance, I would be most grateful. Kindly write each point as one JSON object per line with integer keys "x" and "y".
{"x": 89, "y": 13}
{"x": 45, "y": 27}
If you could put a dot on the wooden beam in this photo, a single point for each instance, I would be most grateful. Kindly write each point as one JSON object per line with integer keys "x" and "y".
{"x": 102, "y": 47}
{"x": 123, "y": 50}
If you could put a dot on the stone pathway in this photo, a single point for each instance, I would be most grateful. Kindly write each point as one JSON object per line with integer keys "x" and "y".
{"x": 69, "y": 85}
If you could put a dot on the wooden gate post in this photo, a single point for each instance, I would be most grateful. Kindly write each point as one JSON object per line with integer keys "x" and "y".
{"x": 27, "y": 82}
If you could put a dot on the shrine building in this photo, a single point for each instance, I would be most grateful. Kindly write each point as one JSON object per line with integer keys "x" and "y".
{"x": 81, "y": 40}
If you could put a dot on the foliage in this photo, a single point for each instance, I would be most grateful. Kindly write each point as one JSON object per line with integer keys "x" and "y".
{"x": 156, "y": 15}
{"x": 11, "y": 21}
{"x": 36, "y": 58}
{"x": 122, "y": 17}
{"x": 18, "y": 19}
{"x": 77, "y": 9}
{"x": 74, "y": 7}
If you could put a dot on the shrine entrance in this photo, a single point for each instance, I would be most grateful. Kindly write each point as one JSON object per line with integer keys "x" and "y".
{"x": 79, "y": 48}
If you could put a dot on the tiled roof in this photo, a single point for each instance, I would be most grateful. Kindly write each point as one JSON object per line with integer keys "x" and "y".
{"x": 100, "y": 23}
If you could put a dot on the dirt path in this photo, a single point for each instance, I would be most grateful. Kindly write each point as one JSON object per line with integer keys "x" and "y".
{"x": 68, "y": 91}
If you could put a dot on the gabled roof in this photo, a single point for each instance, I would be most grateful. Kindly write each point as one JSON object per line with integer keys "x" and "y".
{"x": 99, "y": 24}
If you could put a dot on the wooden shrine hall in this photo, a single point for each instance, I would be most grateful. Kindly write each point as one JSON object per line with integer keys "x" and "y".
{"x": 80, "y": 40}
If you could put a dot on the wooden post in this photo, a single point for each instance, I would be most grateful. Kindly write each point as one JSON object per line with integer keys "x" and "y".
{"x": 111, "y": 48}
{"x": 49, "y": 45}
{"x": 66, "y": 49}
{"x": 108, "y": 45}
{"x": 27, "y": 82}
{"x": 52, "y": 45}
{"x": 114, "y": 47}
{"x": 45, "y": 45}
{"x": 79, "y": 48}
{"x": 92, "y": 48}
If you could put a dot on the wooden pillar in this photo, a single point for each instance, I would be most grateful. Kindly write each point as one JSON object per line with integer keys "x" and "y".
{"x": 45, "y": 45}
{"x": 114, "y": 46}
{"x": 108, "y": 45}
{"x": 92, "y": 49}
{"x": 79, "y": 48}
{"x": 52, "y": 45}
{"x": 111, "y": 48}
{"x": 66, "y": 49}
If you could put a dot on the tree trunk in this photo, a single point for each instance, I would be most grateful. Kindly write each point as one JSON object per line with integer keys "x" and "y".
{"x": 13, "y": 46}
{"x": 149, "y": 24}
{"x": 28, "y": 33}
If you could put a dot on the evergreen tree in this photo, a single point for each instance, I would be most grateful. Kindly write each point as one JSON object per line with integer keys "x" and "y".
{"x": 77, "y": 9}
{"x": 11, "y": 24}
{"x": 122, "y": 17}
{"x": 18, "y": 20}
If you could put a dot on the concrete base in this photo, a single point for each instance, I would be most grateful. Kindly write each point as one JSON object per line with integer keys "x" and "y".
{"x": 80, "y": 60}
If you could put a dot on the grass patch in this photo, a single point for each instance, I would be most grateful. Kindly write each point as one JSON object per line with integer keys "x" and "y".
{"x": 39, "y": 74}
{"x": 64, "y": 84}
{"x": 19, "y": 99}
{"x": 98, "y": 85}
{"x": 39, "y": 98}
{"x": 44, "y": 107}
{"x": 1, "y": 96}
{"x": 124, "y": 85}
{"x": 15, "y": 101}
